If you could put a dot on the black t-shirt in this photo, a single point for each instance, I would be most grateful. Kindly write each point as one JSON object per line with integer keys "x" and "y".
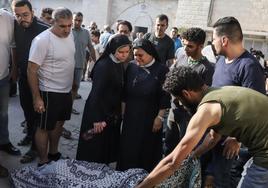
{"x": 23, "y": 40}
{"x": 164, "y": 46}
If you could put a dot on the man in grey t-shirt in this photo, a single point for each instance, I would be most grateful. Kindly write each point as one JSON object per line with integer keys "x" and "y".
{"x": 82, "y": 42}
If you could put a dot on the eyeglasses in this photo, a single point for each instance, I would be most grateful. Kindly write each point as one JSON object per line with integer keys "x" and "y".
{"x": 22, "y": 16}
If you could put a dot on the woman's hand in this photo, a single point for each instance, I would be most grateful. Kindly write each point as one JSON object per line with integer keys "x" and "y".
{"x": 99, "y": 126}
{"x": 157, "y": 124}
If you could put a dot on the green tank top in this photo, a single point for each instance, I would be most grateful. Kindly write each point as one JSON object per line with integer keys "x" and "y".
{"x": 245, "y": 117}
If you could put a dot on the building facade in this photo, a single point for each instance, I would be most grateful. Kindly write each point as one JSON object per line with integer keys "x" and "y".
{"x": 252, "y": 14}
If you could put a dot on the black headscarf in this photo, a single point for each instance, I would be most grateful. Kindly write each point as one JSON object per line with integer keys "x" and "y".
{"x": 115, "y": 42}
{"x": 147, "y": 46}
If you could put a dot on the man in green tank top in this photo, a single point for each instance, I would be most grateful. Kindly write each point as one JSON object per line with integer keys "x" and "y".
{"x": 227, "y": 111}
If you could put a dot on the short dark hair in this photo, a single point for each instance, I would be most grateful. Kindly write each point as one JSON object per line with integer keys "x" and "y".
{"x": 230, "y": 27}
{"x": 195, "y": 34}
{"x": 182, "y": 78}
{"x": 124, "y": 22}
{"x": 47, "y": 11}
{"x": 21, "y": 3}
{"x": 95, "y": 33}
{"x": 162, "y": 17}
{"x": 175, "y": 28}
{"x": 79, "y": 14}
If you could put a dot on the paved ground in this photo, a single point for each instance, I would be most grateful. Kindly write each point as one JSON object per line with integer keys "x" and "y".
{"x": 67, "y": 147}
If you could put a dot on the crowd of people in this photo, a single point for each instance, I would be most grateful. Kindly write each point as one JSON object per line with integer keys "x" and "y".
{"x": 158, "y": 107}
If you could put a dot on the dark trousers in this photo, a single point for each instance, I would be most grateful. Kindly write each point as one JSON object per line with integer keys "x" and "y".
{"x": 26, "y": 102}
{"x": 172, "y": 137}
{"x": 238, "y": 166}
{"x": 176, "y": 130}
{"x": 12, "y": 88}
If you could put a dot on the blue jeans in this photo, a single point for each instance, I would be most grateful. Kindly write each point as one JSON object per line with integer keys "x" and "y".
{"x": 4, "y": 97}
{"x": 253, "y": 176}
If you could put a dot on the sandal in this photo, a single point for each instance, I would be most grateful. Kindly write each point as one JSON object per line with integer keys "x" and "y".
{"x": 54, "y": 157}
{"x": 28, "y": 157}
{"x": 75, "y": 112}
{"x": 25, "y": 141}
{"x": 3, "y": 172}
{"x": 66, "y": 133}
{"x": 41, "y": 164}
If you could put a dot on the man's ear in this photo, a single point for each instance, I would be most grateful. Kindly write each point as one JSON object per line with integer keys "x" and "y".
{"x": 185, "y": 93}
{"x": 224, "y": 41}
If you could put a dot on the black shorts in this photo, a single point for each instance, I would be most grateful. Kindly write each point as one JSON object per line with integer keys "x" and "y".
{"x": 58, "y": 108}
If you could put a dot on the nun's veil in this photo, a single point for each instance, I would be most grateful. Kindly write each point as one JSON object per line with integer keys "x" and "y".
{"x": 115, "y": 42}
{"x": 147, "y": 46}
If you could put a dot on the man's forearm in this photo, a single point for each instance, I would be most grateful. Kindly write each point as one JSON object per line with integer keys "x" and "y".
{"x": 33, "y": 81}
{"x": 14, "y": 67}
{"x": 168, "y": 165}
{"x": 208, "y": 143}
{"x": 162, "y": 171}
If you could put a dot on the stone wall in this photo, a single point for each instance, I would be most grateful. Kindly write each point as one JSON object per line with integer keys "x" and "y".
{"x": 251, "y": 14}
{"x": 138, "y": 12}
{"x": 143, "y": 13}
{"x": 192, "y": 13}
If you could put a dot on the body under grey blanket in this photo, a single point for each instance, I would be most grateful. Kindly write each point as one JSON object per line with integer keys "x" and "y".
{"x": 70, "y": 173}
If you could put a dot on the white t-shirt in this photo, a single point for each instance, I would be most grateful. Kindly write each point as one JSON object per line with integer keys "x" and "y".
{"x": 6, "y": 41}
{"x": 56, "y": 59}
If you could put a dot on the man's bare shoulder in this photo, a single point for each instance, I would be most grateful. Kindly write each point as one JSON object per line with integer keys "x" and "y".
{"x": 211, "y": 110}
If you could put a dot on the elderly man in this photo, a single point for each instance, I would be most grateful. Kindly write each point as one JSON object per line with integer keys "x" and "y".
{"x": 226, "y": 111}
{"x": 50, "y": 74}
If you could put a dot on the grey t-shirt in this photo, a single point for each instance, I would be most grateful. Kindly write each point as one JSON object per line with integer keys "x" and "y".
{"x": 81, "y": 40}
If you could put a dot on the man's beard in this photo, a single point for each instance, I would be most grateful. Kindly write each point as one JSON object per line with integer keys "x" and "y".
{"x": 191, "y": 107}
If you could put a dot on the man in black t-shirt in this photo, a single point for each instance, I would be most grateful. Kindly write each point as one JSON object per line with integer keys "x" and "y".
{"x": 163, "y": 43}
{"x": 27, "y": 27}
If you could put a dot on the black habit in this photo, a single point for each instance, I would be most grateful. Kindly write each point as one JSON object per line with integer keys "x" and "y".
{"x": 144, "y": 97}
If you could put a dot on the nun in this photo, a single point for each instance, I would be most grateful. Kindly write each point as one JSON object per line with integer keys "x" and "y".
{"x": 145, "y": 103}
{"x": 102, "y": 110}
